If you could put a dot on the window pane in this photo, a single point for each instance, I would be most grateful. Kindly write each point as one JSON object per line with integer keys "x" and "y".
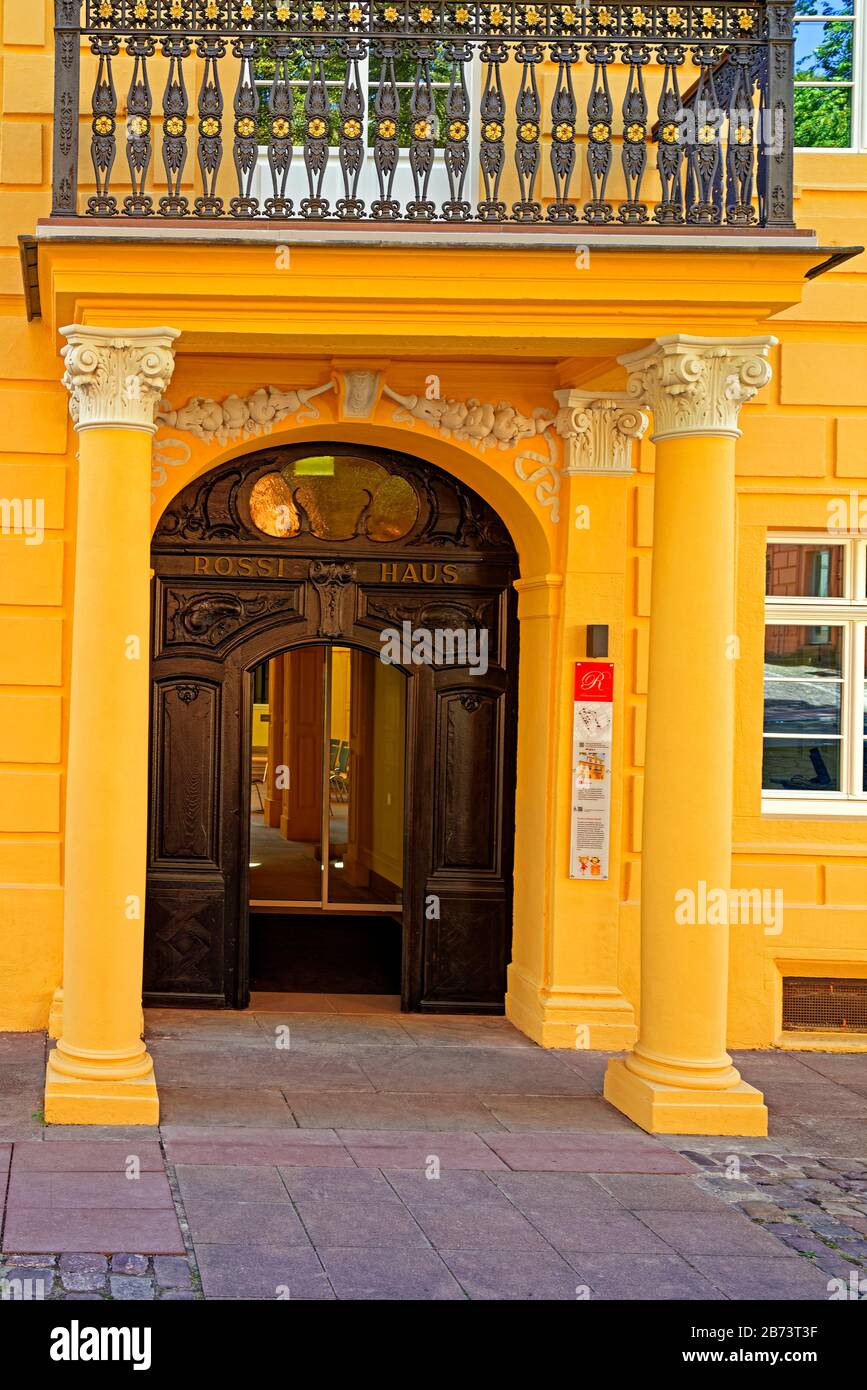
{"x": 793, "y": 649}
{"x": 804, "y": 571}
{"x": 824, "y": 51}
{"x": 802, "y": 707}
{"x": 823, "y": 117}
{"x": 800, "y": 765}
{"x": 823, "y": 7}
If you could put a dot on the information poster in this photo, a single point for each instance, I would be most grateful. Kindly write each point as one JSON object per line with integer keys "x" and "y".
{"x": 591, "y": 769}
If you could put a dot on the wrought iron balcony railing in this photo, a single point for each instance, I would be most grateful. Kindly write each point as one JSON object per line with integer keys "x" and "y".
{"x": 549, "y": 111}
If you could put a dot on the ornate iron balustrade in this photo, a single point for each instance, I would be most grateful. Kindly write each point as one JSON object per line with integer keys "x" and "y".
{"x": 674, "y": 114}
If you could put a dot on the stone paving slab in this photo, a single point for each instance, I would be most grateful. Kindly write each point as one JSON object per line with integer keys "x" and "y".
{"x": 573, "y": 1213}
{"x": 227, "y": 1222}
{"x": 290, "y": 1003}
{"x": 38, "y": 1190}
{"x": 176, "y": 1062}
{"x": 527, "y": 1275}
{"x": 230, "y": 1184}
{"x": 657, "y": 1192}
{"x": 564, "y": 1113}
{"x": 816, "y": 1098}
{"x": 295, "y": 1149}
{"x": 712, "y": 1233}
{"x": 469, "y": 1071}
{"x": 402, "y": 1149}
{"x": 118, "y": 1134}
{"x": 395, "y": 1275}
{"x": 466, "y": 1211}
{"x": 323, "y": 1032}
{"x": 641, "y": 1277}
{"x": 428, "y": 1031}
{"x": 355, "y": 1209}
{"x": 100, "y": 1156}
{"x": 247, "y": 1134}
{"x": 841, "y": 1067}
{"x": 233, "y": 1025}
{"x": 592, "y": 1066}
{"x": 396, "y": 1110}
{"x": 156, "y": 1232}
{"x": 586, "y": 1153}
{"x": 262, "y": 1272}
{"x": 757, "y": 1277}
{"x": 224, "y": 1105}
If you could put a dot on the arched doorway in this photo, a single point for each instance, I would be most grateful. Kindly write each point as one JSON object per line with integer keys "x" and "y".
{"x": 323, "y": 548}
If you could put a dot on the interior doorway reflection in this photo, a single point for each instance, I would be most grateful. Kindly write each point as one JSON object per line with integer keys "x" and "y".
{"x": 327, "y": 774}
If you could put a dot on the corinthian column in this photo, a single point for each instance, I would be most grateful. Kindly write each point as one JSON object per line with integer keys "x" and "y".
{"x": 679, "y": 1077}
{"x": 599, "y": 430}
{"x": 100, "y": 1072}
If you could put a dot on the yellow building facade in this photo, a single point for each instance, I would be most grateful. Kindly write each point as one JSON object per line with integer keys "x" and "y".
{"x": 647, "y": 408}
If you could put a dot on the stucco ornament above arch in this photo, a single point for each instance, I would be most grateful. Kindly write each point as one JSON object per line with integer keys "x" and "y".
{"x": 360, "y": 393}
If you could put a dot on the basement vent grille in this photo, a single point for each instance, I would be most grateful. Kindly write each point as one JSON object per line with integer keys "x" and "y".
{"x": 824, "y": 1005}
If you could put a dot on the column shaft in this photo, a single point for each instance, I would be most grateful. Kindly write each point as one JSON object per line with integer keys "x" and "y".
{"x": 100, "y": 1072}
{"x": 679, "y": 1078}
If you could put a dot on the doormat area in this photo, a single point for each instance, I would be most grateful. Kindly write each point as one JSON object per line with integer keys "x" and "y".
{"x": 317, "y": 954}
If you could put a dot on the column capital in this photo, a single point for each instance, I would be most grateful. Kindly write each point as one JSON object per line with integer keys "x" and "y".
{"x": 599, "y": 427}
{"x": 696, "y": 386}
{"x": 116, "y": 377}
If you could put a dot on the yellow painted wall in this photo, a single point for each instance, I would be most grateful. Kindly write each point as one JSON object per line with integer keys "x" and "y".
{"x": 496, "y": 326}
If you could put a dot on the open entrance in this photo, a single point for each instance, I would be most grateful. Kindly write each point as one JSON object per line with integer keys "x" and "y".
{"x": 333, "y": 730}
{"x": 326, "y": 850}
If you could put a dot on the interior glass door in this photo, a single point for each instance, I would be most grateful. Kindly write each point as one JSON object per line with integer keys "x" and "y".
{"x": 327, "y": 777}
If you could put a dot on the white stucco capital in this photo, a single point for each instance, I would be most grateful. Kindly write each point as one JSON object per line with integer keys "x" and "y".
{"x": 598, "y": 427}
{"x": 117, "y": 377}
{"x": 696, "y": 386}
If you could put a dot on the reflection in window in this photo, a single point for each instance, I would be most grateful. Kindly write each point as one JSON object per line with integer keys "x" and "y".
{"x": 824, "y": 90}
{"x": 334, "y": 499}
{"x": 327, "y": 768}
{"x": 815, "y": 668}
{"x": 804, "y": 571}
{"x": 803, "y": 684}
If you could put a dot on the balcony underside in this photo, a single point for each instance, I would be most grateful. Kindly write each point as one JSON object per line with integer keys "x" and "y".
{"x": 410, "y": 293}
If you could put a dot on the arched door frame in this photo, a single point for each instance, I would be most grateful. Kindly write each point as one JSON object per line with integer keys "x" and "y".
{"x": 468, "y": 539}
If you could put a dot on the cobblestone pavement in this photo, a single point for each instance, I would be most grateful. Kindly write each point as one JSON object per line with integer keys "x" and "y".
{"x": 388, "y": 1156}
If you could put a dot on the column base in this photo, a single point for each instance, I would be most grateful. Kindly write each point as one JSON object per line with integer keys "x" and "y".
{"x": 739, "y": 1110}
{"x": 72, "y": 1100}
{"x": 595, "y": 1018}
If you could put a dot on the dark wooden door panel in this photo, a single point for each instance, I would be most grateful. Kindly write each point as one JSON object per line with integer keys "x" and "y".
{"x": 184, "y": 933}
{"x": 186, "y": 786}
{"x": 465, "y": 953}
{"x": 466, "y": 790}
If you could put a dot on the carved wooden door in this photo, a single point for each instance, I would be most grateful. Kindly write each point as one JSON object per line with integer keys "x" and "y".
{"x": 425, "y": 554}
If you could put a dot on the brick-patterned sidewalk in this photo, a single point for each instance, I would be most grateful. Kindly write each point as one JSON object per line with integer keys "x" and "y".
{"x": 394, "y": 1157}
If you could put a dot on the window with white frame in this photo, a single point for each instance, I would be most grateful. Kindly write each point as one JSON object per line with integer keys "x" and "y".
{"x": 815, "y": 749}
{"x": 829, "y": 89}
